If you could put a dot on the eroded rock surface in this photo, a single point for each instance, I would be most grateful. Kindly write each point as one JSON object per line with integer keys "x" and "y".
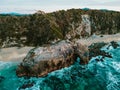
{"x": 43, "y": 60}
{"x": 40, "y": 61}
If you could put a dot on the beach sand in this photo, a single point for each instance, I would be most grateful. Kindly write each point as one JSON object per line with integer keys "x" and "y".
{"x": 13, "y": 53}
{"x": 17, "y": 54}
{"x": 98, "y": 38}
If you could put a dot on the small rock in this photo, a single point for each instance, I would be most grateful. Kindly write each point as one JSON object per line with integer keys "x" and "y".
{"x": 24, "y": 86}
{"x": 114, "y": 44}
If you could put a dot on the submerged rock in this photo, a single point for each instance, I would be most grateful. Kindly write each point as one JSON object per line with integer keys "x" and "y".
{"x": 1, "y": 78}
{"x": 24, "y": 86}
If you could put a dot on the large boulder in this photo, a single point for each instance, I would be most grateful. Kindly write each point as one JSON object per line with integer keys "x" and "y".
{"x": 40, "y": 61}
{"x": 43, "y": 60}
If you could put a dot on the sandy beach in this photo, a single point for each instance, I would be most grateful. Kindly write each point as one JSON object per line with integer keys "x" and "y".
{"x": 98, "y": 38}
{"x": 17, "y": 54}
{"x": 13, "y": 53}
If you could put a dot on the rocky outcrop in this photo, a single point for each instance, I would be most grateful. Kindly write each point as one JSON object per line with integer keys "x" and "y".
{"x": 114, "y": 44}
{"x": 95, "y": 50}
{"x": 40, "y": 61}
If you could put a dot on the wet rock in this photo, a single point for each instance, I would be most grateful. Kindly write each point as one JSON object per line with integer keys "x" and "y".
{"x": 43, "y": 60}
{"x": 94, "y": 50}
{"x": 1, "y": 78}
{"x": 100, "y": 59}
{"x": 97, "y": 59}
{"x": 24, "y": 86}
{"x": 82, "y": 51}
{"x": 114, "y": 44}
{"x": 40, "y": 61}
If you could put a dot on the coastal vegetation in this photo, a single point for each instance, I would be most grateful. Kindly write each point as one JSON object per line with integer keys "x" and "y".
{"x": 43, "y": 28}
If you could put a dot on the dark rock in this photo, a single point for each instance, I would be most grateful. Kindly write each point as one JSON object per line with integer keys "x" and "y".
{"x": 114, "y": 44}
{"x": 94, "y": 50}
{"x": 97, "y": 59}
{"x": 101, "y": 59}
{"x": 24, "y": 86}
{"x": 1, "y": 78}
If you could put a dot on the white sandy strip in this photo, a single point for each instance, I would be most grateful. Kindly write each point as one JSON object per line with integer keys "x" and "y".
{"x": 95, "y": 39}
{"x": 13, "y": 53}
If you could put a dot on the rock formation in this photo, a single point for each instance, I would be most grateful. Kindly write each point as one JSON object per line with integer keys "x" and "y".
{"x": 40, "y": 61}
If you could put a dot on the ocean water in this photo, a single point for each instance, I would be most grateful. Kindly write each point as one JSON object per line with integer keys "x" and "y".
{"x": 97, "y": 75}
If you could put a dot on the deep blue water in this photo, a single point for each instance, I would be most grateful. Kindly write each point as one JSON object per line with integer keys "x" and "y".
{"x": 102, "y": 75}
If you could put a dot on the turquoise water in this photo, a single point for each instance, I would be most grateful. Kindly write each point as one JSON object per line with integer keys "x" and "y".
{"x": 102, "y": 75}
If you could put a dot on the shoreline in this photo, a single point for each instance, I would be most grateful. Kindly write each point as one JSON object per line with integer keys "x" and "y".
{"x": 97, "y": 38}
{"x": 18, "y": 54}
{"x": 13, "y": 53}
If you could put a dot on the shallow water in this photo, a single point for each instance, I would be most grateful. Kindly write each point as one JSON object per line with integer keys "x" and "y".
{"x": 102, "y": 75}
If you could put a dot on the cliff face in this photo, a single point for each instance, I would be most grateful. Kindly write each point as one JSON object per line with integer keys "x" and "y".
{"x": 42, "y": 28}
